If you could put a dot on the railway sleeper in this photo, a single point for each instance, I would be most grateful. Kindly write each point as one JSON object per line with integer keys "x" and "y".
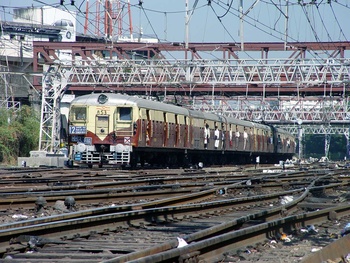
{"x": 192, "y": 257}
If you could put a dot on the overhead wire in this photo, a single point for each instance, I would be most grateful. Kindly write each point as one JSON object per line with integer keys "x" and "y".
{"x": 148, "y": 10}
{"x": 226, "y": 30}
{"x": 312, "y": 27}
{"x": 148, "y": 20}
{"x": 280, "y": 12}
{"x": 324, "y": 26}
{"x": 236, "y": 14}
{"x": 228, "y": 9}
{"x": 260, "y": 26}
{"x": 337, "y": 21}
{"x": 205, "y": 24}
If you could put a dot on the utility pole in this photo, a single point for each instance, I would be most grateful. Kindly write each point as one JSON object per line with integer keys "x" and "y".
{"x": 187, "y": 21}
{"x": 286, "y": 27}
{"x": 241, "y": 15}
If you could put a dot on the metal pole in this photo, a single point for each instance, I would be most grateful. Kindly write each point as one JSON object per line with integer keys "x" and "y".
{"x": 300, "y": 139}
{"x": 187, "y": 18}
{"x": 286, "y": 27}
{"x": 241, "y": 24}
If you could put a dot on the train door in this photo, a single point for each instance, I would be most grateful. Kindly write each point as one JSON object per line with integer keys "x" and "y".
{"x": 224, "y": 134}
{"x": 142, "y": 129}
{"x": 271, "y": 141}
{"x": 148, "y": 128}
{"x": 181, "y": 131}
{"x": 252, "y": 144}
{"x": 102, "y": 125}
{"x": 102, "y": 130}
{"x": 165, "y": 130}
{"x": 124, "y": 125}
{"x": 177, "y": 131}
{"x": 259, "y": 145}
{"x": 264, "y": 141}
{"x": 196, "y": 132}
{"x": 187, "y": 132}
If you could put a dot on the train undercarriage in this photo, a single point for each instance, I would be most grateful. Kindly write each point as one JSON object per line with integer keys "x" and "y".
{"x": 165, "y": 158}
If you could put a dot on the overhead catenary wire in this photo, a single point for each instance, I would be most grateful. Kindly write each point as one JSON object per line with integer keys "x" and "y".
{"x": 226, "y": 12}
{"x": 337, "y": 21}
{"x": 307, "y": 15}
{"x": 228, "y": 32}
{"x": 256, "y": 23}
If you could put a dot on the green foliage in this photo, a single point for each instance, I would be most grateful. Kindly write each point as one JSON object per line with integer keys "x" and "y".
{"x": 19, "y": 133}
{"x": 337, "y": 147}
{"x": 314, "y": 146}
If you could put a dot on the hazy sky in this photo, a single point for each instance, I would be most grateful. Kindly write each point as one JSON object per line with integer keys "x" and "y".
{"x": 219, "y": 21}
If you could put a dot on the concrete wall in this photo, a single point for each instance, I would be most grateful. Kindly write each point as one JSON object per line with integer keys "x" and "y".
{"x": 41, "y": 158}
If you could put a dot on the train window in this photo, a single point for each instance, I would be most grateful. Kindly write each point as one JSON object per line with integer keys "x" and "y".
{"x": 102, "y": 118}
{"x": 125, "y": 114}
{"x": 78, "y": 113}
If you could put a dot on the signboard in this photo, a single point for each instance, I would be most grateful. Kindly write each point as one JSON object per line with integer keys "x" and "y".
{"x": 77, "y": 129}
{"x": 77, "y": 138}
{"x": 88, "y": 140}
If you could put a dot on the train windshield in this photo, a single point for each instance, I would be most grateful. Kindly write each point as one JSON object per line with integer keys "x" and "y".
{"x": 124, "y": 114}
{"x": 78, "y": 114}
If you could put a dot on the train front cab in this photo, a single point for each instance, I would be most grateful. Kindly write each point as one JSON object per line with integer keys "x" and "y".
{"x": 101, "y": 135}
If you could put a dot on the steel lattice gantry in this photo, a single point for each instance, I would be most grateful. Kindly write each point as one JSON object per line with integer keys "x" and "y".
{"x": 210, "y": 73}
{"x": 325, "y": 129}
{"x": 176, "y": 73}
{"x": 280, "y": 110}
{"x": 215, "y": 85}
{"x": 54, "y": 83}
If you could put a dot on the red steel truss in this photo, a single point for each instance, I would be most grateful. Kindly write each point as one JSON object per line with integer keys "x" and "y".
{"x": 300, "y": 86}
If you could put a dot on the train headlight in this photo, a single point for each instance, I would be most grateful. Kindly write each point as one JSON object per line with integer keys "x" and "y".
{"x": 119, "y": 148}
{"x": 102, "y": 99}
{"x": 102, "y": 130}
{"x": 81, "y": 147}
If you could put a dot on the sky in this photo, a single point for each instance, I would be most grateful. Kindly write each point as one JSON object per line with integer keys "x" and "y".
{"x": 218, "y": 20}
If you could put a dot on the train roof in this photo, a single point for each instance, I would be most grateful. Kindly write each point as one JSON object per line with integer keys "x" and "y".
{"x": 280, "y": 130}
{"x": 113, "y": 99}
{"x": 119, "y": 99}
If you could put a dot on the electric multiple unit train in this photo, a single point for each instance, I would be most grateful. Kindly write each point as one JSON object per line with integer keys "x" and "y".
{"x": 130, "y": 131}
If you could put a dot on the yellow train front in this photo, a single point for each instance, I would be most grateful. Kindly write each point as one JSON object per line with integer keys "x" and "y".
{"x": 126, "y": 131}
{"x": 100, "y": 130}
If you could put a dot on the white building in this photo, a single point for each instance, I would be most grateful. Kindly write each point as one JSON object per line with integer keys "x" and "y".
{"x": 49, "y": 16}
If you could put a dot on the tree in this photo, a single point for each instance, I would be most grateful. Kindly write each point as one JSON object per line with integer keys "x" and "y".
{"x": 314, "y": 146}
{"x": 19, "y": 133}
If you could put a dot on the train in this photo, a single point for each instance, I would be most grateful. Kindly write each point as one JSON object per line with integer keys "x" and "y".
{"x": 129, "y": 131}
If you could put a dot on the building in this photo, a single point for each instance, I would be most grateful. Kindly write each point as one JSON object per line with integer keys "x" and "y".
{"x": 16, "y": 41}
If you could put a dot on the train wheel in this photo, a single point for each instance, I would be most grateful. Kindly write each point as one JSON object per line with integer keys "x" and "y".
{"x": 89, "y": 165}
{"x": 133, "y": 161}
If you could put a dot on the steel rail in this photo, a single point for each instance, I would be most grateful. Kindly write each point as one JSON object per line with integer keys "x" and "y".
{"x": 65, "y": 226}
{"x": 168, "y": 251}
{"x": 211, "y": 249}
{"x": 74, "y": 225}
{"x": 87, "y": 194}
{"x": 337, "y": 250}
{"x": 172, "y": 201}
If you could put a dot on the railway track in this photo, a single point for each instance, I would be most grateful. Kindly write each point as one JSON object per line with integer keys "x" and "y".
{"x": 199, "y": 217}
